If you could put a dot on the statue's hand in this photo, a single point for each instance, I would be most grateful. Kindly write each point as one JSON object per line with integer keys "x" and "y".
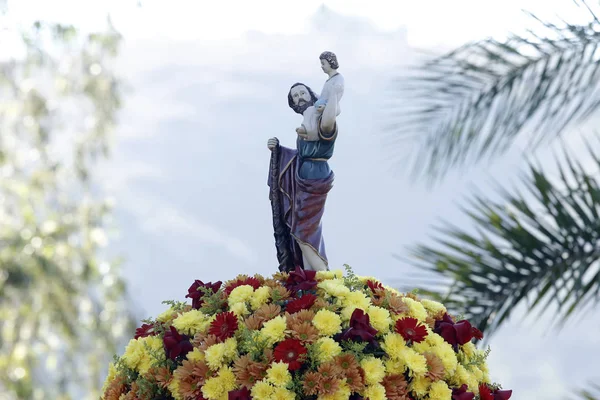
{"x": 320, "y": 108}
{"x": 301, "y": 131}
{"x": 272, "y": 143}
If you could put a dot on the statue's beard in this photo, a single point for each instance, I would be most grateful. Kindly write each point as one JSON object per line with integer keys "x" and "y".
{"x": 302, "y": 106}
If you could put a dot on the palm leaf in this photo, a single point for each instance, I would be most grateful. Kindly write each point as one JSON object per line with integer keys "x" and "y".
{"x": 474, "y": 102}
{"x": 591, "y": 392}
{"x": 538, "y": 248}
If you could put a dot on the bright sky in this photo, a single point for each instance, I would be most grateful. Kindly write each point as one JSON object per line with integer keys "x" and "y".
{"x": 429, "y": 22}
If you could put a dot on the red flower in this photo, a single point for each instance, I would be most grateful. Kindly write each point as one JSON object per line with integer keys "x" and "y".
{"x": 411, "y": 330}
{"x": 224, "y": 325}
{"x": 290, "y": 351}
{"x": 457, "y": 333}
{"x": 301, "y": 279}
{"x": 360, "y": 328}
{"x": 197, "y": 295}
{"x": 144, "y": 330}
{"x": 374, "y": 286}
{"x": 242, "y": 394}
{"x": 255, "y": 283}
{"x": 485, "y": 393}
{"x": 462, "y": 394}
{"x": 303, "y": 303}
{"x": 176, "y": 344}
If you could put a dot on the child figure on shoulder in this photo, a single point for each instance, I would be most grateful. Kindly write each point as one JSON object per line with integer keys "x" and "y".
{"x": 332, "y": 91}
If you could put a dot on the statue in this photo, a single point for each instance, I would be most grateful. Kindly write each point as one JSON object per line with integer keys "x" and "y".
{"x": 333, "y": 88}
{"x": 300, "y": 180}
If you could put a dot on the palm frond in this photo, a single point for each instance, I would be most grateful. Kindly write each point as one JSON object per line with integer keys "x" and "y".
{"x": 591, "y": 392}
{"x": 474, "y": 102}
{"x": 539, "y": 248}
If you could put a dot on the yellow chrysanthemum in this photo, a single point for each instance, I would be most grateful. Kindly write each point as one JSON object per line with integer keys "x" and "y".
{"x": 343, "y": 393}
{"x": 174, "y": 389}
{"x": 153, "y": 353}
{"x": 112, "y": 373}
{"x": 420, "y": 386}
{"x": 325, "y": 275}
{"x": 274, "y": 330}
{"x": 230, "y": 348}
{"x": 379, "y": 318}
{"x": 416, "y": 363}
{"x": 280, "y": 393}
{"x": 192, "y": 322}
{"x": 260, "y": 297}
{"x": 327, "y": 349}
{"x": 469, "y": 349}
{"x": 416, "y": 309}
{"x": 166, "y": 315}
{"x": 279, "y": 374}
{"x": 195, "y": 355}
{"x": 395, "y": 366}
{"x": 374, "y": 370}
{"x": 240, "y": 294}
{"x": 240, "y": 310}
{"x": 215, "y": 356}
{"x": 357, "y": 300}
{"x": 445, "y": 353}
{"x": 439, "y": 390}
{"x": 134, "y": 352}
{"x": 262, "y": 390}
{"x": 375, "y": 392}
{"x": 433, "y": 307}
{"x": 347, "y": 312}
{"x": 327, "y": 323}
{"x": 334, "y": 287}
{"x": 218, "y": 387}
{"x": 463, "y": 376}
{"x": 393, "y": 344}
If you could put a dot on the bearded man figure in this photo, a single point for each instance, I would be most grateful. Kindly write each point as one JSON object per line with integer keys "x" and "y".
{"x": 300, "y": 180}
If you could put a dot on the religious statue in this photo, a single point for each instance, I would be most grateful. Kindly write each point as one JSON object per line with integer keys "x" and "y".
{"x": 333, "y": 88}
{"x": 300, "y": 178}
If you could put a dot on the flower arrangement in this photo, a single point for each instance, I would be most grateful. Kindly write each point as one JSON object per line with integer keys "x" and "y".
{"x": 302, "y": 335}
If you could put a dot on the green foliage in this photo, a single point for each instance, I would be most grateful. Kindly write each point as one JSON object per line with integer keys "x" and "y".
{"x": 61, "y": 300}
{"x": 214, "y": 302}
{"x": 357, "y": 349}
{"x": 474, "y": 102}
{"x": 351, "y": 280}
{"x": 539, "y": 248}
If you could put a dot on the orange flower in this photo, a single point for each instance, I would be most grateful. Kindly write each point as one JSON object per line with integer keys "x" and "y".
{"x": 311, "y": 383}
{"x": 241, "y": 370}
{"x": 346, "y": 362}
{"x": 328, "y": 385}
{"x": 302, "y": 316}
{"x": 191, "y": 376}
{"x": 396, "y": 305}
{"x": 257, "y": 370}
{"x": 330, "y": 370}
{"x": 355, "y": 379}
{"x": 305, "y": 332}
{"x": 160, "y": 375}
{"x": 115, "y": 389}
{"x": 203, "y": 342}
{"x": 395, "y": 387}
{"x": 435, "y": 367}
{"x": 268, "y": 311}
{"x": 254, "y": 322}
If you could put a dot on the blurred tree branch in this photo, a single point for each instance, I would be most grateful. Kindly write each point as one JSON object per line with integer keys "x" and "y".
{"x": 62, "y": 304}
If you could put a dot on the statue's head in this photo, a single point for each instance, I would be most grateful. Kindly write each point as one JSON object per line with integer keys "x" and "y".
{"x": 328, "y": 61}
{"x": 300, "y": 97}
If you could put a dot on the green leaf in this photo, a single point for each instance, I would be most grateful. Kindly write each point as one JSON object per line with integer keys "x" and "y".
{"x": 473, "y": 103}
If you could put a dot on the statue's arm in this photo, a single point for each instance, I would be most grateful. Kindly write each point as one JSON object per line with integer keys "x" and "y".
{"x": 327, "y": 124}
